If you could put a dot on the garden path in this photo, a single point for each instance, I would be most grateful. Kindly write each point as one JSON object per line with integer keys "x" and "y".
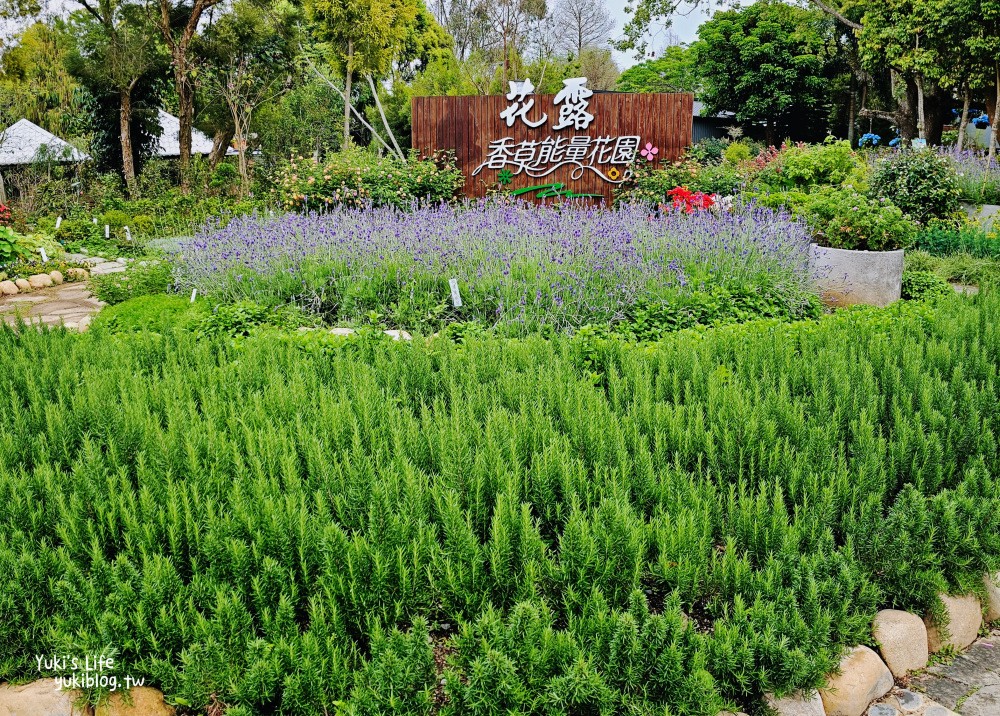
{"x": 70, "y": 304}
{"x": 969, "y": 684}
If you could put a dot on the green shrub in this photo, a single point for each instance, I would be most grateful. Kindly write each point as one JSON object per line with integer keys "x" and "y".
{"x": 829, "y": 163}
{"x": 707, "y": 151}
{"x": 140, "y": 278}
{"x": 649, "y": 184}
{"x": 924, "y": 285}
{"x": 12, "y": 246}
{"x": 921, "y": 183}
{"x": 737, "y": 152}
{"x": 945, "y": 238}
{"x": 225, "y": 177}
{"x": 76, "y": 234}
{"x": 356, "y": 177}
{"x": 143, "y": 225}
{"x": 847, "y": 219}
{"x": 157, "y": 312}
{"x": 427, "y": 527}
{"x": 237, "y": 320}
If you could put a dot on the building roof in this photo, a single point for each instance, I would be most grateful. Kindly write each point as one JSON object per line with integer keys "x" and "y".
{"x": 25, "y": 143}
{"x": 699, "y": 107}
{"x": 170, "y": 144}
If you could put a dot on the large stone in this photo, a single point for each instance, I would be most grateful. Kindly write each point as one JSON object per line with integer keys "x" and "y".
{"x": 963, "y": 617}
{"x": 22, "y": 284}
{"x": 77, "y": 274}
{"x": 902, "y": 639}
{"x": 56, "y": 276}
{"x": 8, "y": 288}
{"x": 797, "y": 705}
{"x": 862, "y": 679}
{"x": 398, "y": 335}
{"x": 144, "y": 702}
{"x": 992, "y": 583}
{"x": 39, "y": 698}
{"x": 40, "y": 280}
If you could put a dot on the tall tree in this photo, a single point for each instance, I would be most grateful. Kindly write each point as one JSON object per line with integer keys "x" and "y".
{"x": 676, "y": 70}
{"x": 247, "y": 61}
{"x": 362, "y": 37}
{"x": 115, "y": 51}
{"x": 179, "y": 22}
{"x": 767, "y": 63}
{"x": 582, "y": 23}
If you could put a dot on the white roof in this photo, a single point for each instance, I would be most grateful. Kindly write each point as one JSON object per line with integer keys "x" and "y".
{"x": 21, "y": 142}
{"x": 170, "y": 143}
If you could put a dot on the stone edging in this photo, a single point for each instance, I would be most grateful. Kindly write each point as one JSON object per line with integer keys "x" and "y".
{"x": 906, "y": 642}
{"x": 41, "y": 280}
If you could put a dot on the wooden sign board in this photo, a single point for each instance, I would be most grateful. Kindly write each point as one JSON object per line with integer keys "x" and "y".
{"x": 573, "y": 143}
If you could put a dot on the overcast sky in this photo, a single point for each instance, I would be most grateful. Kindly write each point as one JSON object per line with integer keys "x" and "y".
{"x": 684, "y": 28}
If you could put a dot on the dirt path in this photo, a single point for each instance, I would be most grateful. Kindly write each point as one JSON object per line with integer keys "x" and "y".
{"x": 70, "y": 304}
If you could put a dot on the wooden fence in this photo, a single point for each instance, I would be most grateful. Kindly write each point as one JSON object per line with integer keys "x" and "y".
{"x": 471, "y": 127}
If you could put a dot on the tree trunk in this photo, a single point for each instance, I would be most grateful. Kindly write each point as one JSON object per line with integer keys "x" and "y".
{"x": 937, "y": 109}
{"x": 964, "y": 121}
{"x": 220, "y": 145}
{"x": 921, "y": 119}
{"x": 185, "y": 113}
{"x": 125, "y": 129}
{"x": 3, "y": 192}
{"x": 347, "y": 93}
{"x": 851, "y": 115}
{"x": 996, "y": 119}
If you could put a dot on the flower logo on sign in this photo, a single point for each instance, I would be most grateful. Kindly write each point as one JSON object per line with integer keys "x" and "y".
{"x": 613, "y": 174}
{"x": 505, "y": 176}
{"x": 649, "y": 152}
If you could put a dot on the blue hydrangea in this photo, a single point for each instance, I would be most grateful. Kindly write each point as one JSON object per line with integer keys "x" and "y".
{"x": 895, "y": 142}
{"x": 869, "y": 139}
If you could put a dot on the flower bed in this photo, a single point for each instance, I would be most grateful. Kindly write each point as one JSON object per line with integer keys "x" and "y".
{"x": 517, "y": 265}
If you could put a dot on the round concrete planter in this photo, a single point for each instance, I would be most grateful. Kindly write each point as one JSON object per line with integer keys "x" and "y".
{"x": 847, "y": 278}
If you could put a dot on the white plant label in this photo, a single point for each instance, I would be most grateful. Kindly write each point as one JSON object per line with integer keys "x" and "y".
{"x": 194, "y": 292}
{"x": 58, "y": 222}
{"x": 45, "y": 256}
{"x": 128, "y": 234}
{"x": 456, "y": 297}
{"x": 107, "y": 231}
{"x": 95, "y": 220}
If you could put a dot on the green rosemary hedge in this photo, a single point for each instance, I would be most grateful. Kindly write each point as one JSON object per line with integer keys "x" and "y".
{"x": 574, "y": 526}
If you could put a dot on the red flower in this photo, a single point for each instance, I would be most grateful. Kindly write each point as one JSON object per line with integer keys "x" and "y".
{"x": 689, "y": 201}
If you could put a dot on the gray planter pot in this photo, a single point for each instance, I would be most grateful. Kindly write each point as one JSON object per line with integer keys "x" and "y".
{"x": 848, "y": 278}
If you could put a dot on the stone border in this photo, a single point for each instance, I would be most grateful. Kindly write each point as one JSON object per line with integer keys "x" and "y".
{"x": 41, "y": 280}
{"x": 865, "y": 681}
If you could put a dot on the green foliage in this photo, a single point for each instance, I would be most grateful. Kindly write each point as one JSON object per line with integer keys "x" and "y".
{"x": 707, "y": 151}
{"x": 846, "y": 219}
{"x": 75, "y": 234}
{"x": 225, "y": 177}
{"x": 768, "y": 62}
{"x": 924, "y": 285}
{"x": 944, "y": 239}
{"x": 155, "y": 312}
{"x": 736, "y": 153}
{"x": 295, "y": 529}
{"x": 236, "y": 320}
{"x": 12, "y": 246}
{"x": 921, "y": 183}
{"x": 676, "y": 70}
{"x": 141, "y": 278}
{"x": 357, "y": 177}
{"x": 649, "y": 184}
{"x": 716, "y": 305}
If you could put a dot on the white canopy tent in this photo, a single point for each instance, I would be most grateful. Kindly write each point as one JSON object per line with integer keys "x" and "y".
{"x": 170, "y": 143}
{"x": 25, "y": 143}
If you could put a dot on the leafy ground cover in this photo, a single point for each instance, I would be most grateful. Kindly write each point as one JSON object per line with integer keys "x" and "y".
{"x": 519, "y": 266}
{"x": 300, "y": 524}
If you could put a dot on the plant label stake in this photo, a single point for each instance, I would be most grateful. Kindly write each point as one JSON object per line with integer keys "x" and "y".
{"x": 58, "y": 223}
{"x": 95, "y": 221}
{"x": 194, "y": 292}
{"x": 45, "y": 256}
{"x": 107, "y": 231}
{"x": 456, "y": 298}
{"x": 128, "y": 235}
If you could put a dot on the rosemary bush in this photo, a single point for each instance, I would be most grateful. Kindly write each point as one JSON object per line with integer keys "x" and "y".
{"x": 574, "y": 526}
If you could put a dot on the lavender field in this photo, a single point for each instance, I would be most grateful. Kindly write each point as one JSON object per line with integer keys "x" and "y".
{"x": 516, "y": 265}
